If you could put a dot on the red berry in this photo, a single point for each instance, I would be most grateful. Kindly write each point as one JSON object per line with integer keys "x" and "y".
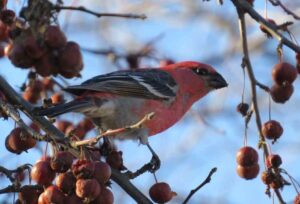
{"x": 281, "y": 94}
{"x": 29, "y": 194}
{"x": 66, "y": 182}
{"x": 264, "y": 30}
{"x": 267, "y": 177}
{"x": 70, "y": 60}
{"x": 247, "y": 156}
{"x": 242, "y": 108}
{"x": 61, "y": 162}
{"x": 102, "y": 172}
{"x": 63, "y": 125}
{"x": 19, "y": 58}
{"x": 283, "y": 73}
{"x": 3, "y": 4}
{"x": 53, "y": 195}
{"x": 106, "y": 196}
{"x": 48, "y": 84}
{"x": 115, "y": 160}
{"x": 7, "y": 16}
{"x": 45, "y": 65}
{"x": 86, "y": 124}
{"x": 272, "y": 130}
{"x": 77, "y": 132}
{"x": 273, "y": 160}
{"x": 248, "y": 172}
{"x": 297, "y": 199}
{"x": 32, "y": 47}
{"x": 161, "y": 192}
{"x": 74, "y": 199}
{"x": 83, "y": 169}
{"x": 54, "y": 37}
{"x": 42, "y": 173}
{"x": 88, "y": 189}
{"x": 57, "y": 98}
{"x": 18, "y": 141}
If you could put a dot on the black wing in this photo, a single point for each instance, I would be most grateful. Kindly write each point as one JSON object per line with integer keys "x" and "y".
{"x": 142, "y": 83}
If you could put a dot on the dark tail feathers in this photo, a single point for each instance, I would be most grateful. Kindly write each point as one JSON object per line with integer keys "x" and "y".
{"x": 72, "y": 106}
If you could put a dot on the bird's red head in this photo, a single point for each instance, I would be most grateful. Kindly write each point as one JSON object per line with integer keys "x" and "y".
{"x": 204, "y": 72}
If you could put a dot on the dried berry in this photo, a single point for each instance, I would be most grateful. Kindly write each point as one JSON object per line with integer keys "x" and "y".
{"x": 83, "y": 169}
{"x": 267, "y": 177}
{"x": 273, "y": 160}
{"x": 66, "y": 182}
{"x": 54, "y": 37}
{"x": 102, "y": 172}
{"x": 70, "y": 60}
{"x": 61, "y": 162}
{"x": 247, "y": 156}
{"x": 243, "y": 108}
{"x": 272, "y": 130}
{"x": 87, "y": 189}
{"x": 63, "y": 125}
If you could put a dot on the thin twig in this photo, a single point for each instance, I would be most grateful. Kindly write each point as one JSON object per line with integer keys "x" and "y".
{"x": 206, "y": 181}
{"x": 253, "y": 83}
{"x": 94, "y": 140}
{"x": 288, "y": 11}
{"x": 272, "y": 29}
{"x": 83, "y": 9}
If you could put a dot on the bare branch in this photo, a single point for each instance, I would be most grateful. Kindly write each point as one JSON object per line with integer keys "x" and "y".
{"x": 206, "y": 181}
{"x": 253, "y": 83}
{"x": 83, "y": 9}
{"x": 272, "y": 29}
{"x": 288, "y": 11}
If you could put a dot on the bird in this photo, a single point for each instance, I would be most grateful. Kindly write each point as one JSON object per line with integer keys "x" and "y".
{"x": 122, "y": 98}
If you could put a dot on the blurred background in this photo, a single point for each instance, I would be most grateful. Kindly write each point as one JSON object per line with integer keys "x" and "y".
{"x": 212, "y": 131}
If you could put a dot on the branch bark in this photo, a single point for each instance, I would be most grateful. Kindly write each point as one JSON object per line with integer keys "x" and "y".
{"x": 14, "y": 98}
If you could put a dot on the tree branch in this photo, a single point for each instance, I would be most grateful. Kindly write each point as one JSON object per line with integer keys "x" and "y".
{"x": 14, "y": 98}
{"x": 288, "y": 11}
{"x": 253, "y": 83}
{"x": 83, "y": 9}
{"x": 272, "y": 29}
{"x": 206, "y": 181}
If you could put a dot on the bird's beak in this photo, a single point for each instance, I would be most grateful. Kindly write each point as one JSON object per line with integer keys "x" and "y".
{"x": 216, "y": 81}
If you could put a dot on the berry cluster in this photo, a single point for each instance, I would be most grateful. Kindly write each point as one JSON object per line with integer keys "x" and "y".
{"x": 283, "y": 74}
{"x": 247, "y": 159}
{"x": 82, "y": 181}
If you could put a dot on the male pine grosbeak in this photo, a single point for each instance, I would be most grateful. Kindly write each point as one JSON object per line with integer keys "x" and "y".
{"x": 122, "y": 98}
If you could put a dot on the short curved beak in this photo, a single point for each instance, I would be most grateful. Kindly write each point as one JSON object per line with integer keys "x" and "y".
{"x": 216, "y": 81}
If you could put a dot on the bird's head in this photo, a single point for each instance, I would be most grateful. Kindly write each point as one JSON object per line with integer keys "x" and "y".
{"x": 206, "y": 73}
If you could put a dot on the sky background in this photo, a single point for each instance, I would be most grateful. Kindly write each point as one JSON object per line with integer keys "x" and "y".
{"x": 212, "y": 132}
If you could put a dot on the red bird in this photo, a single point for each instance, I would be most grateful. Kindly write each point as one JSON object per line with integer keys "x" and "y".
{"x": 122, "y": 98}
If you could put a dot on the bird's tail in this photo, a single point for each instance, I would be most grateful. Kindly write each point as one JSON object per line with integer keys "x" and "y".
{"x": 72, "y": 106}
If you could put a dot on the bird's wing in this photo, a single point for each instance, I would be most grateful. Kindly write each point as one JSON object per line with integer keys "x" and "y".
{"x": 141, "y": 83}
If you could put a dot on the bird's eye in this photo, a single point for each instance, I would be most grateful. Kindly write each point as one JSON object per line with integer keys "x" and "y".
{"x": 201, "y": 71}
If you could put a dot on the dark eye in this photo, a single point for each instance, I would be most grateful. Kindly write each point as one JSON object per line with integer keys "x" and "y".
{"x": 201, "y": 71}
